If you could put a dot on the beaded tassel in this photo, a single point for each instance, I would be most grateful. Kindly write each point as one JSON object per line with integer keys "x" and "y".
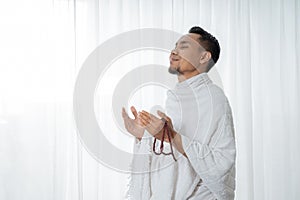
{"x": 165, "y": 131}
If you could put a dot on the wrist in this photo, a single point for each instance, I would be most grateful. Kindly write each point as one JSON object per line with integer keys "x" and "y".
{"x": 140, "y": 135}
{"x": 176, "y": 141}
{"x": 174, "y": 137}
{"x": 173, "y": 134}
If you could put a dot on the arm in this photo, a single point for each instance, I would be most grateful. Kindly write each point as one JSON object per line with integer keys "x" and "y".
{"x": 177, "y": 143}
{"x": 211, "y": 161}
{"x": 215, "y": 161}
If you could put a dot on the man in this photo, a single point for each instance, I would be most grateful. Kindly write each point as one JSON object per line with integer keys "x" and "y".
{"x": 199, "y": 118}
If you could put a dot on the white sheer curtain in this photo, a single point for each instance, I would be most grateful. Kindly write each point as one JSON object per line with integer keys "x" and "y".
{"x": 44, "y": 43}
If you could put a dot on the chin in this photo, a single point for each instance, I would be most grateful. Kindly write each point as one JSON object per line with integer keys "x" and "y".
{"x": 173, "y": 70}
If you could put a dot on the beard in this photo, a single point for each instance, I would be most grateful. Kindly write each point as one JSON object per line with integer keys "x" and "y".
{"x": 174, "y": 70}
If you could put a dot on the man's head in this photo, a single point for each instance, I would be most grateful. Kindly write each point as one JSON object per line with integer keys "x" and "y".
{"x": 194, "y": 53}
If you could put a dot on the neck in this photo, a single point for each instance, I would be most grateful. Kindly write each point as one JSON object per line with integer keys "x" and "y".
{"x": 183, "y": 77}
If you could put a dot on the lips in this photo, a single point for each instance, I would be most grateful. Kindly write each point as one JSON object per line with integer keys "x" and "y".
{"x": 174, "y": 59}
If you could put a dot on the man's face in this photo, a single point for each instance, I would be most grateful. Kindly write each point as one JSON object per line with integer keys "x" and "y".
{"x": 185, "y": 57}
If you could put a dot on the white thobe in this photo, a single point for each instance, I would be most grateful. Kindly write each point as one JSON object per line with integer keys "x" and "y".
{"x": 201, "y": 114}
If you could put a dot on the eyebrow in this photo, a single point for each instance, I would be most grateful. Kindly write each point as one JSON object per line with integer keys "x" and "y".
{"x": 182, "y": 42}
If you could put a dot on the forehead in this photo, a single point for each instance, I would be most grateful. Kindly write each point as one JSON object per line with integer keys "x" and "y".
{"x": 191, "y": 38}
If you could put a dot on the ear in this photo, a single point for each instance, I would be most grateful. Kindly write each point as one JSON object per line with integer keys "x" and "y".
{"x": 205, "y": 57}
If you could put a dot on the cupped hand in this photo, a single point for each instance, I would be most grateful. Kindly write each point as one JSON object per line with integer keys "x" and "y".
{"x": 154, "y": 125}
{"x": 133, "y": 126}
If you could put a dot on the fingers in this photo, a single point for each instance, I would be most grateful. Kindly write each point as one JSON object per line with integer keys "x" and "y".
{"x": 144, "y": 122}
{"x": 125, "y": 117}
{"x": 151, "y": 122}
{"x": 147, "y": 116}
{"x": 144, "y": 118}
{"x": 163, "y": 115}
{"x": 134, "y": 112}
{"x": 124, "y": 114}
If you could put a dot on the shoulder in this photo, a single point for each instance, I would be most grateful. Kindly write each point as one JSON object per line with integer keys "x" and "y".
{"x": 218, "y": 98}
{"x": 217, "y": 92}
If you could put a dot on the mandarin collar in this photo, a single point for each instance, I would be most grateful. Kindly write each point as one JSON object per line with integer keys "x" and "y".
{"x": 194, "y": 81}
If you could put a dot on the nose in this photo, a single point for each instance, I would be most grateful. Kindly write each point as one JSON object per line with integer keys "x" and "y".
{"x": 174, "y": 52}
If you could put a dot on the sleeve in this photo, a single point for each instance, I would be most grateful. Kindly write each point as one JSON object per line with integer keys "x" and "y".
{"x": 139, "y": 179}
{"x": 143, "y": 146}
{"x": 214, "y": 162}
{"x": 137, "y": 145}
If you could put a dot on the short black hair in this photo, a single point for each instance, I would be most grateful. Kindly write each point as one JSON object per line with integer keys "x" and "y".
{"x": 209, "y": 43}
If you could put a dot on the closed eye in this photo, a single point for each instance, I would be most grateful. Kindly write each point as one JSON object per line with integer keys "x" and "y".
{"x": 183, "y": 47}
